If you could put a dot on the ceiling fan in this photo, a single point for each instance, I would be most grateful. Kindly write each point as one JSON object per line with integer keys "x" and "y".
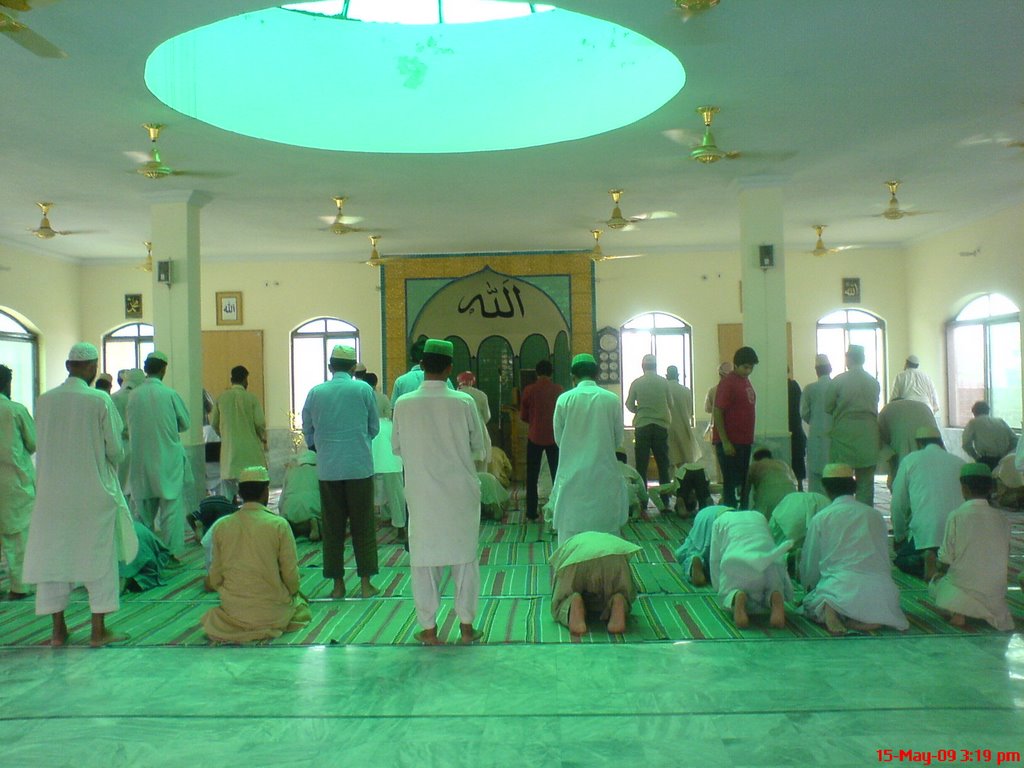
{"x": 376, "y": 259}
{"x": 819, "y": 246}
{"x": 341, "y": 224}
{"x": 690, "y": 8}
{"x": 893, "y": 212}
{"x": 46, "y": 232}
{"x": 619, "y": 222}
{"x": 597, "y": 255}
{"x": 707, "y": 151}
{"x": 150, "y": 164}
{"x": 22, "y": 35}
{"x": 147, "y": 265}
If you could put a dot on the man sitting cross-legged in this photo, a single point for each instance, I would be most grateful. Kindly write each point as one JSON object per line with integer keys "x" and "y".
{"x": 254, "y": 570}
{"x": 976, "y": 549}
{"x": 590, "y": 575}
{"x": 845, "y": 564}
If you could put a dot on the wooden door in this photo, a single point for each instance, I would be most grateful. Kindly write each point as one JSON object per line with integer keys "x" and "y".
{"x": 223, "y": 350}
{"x": 730, "y": 338}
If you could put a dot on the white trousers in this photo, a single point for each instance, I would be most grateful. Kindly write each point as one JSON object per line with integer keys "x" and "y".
{"x": 389, "y": 495}
{"x": 13, "y": 545}
{"x": 52, "y": 596}
{"x": 426, "y": 591}
{"x": 165, "y": 518}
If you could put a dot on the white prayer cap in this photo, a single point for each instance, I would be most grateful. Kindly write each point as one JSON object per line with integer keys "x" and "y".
{"x": 837, "y": 470}
{"x": 913, "y": 360}
{"x": 254, "y": 475}
{"x": 132, "y": 378}
{"x": 342, "y": 352}
{"x": 83, "y": 352}
{"x": 156, "y": 356}
{"x": 105, "y": 377}
{"x": 820, "y": 361}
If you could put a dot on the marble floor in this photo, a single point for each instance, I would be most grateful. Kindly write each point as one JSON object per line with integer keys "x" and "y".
{"x": 799, "y": 702}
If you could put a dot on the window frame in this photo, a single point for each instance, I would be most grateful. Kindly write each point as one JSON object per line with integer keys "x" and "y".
{"x": 334, "y": 337}
{"x": 25, "y": 336}
{"x": 878, "y": 324}
{"x": 654, "y": 331}
{"x": 138, "y": 339}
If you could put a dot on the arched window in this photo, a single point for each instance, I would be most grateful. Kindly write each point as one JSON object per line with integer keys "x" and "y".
{"x": 983, "y": 359}
{"x": 127, "y": 347}
{"x": 312, "y": 343}
{"x": 838, "y": 330}
{"x": 19, "y": 351}
{"x": 654, "y": 333}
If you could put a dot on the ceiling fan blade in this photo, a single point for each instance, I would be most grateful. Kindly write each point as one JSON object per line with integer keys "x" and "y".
{"x": 203, "y": 174}
{"x": 682, "y": 136}
{"x": 28, "y": 39}
{"x": 655, "y": 215}
{"x": 344, "y": 219}
{"x": 25, "y": 5}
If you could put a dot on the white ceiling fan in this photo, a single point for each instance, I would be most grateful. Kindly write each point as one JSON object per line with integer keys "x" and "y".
{"x": 597, "y": 255}
{"x": 625, "y": 224}
{"x": 893, "y": 212}
{"x": 339, "y": 223}
{"x": 21, "y": 34}
{"x": 819, "y": 247}
{"x": 46, "y": 232}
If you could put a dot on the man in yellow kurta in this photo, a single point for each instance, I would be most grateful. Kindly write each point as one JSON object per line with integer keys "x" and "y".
{"x": 254, "y": 570}
{"x": 17, "y": 481}
{"x": 238, "y": 418}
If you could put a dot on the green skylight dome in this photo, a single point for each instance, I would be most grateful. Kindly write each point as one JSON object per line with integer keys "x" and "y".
{"x": 414, "y": 76}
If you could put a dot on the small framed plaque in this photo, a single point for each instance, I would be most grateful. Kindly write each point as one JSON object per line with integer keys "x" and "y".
{"x": 851, "y": 290}
{"x": 133, "y": 306}
{"x": 229, "y": 307}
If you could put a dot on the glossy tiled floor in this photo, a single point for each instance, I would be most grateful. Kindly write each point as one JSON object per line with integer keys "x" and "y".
{"x": 821, "y": 702}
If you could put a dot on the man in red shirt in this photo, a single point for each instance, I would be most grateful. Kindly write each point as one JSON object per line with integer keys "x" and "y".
{"x": 537, "y": 408}
{"x": 734, "y": 426}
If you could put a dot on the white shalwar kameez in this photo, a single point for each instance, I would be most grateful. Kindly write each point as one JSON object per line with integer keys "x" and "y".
{"x": 156, "y": 416}
{"x": 845, "y": 564}
{"x": 819, "y": 423}
{"x": 925, "y": 491}
{"x": 745, "y": 558}
{"x": 697, "y": 545}
{"x": 589, "y": 493}
{"x": 73, "y": 534}
{"x": 976, "y": 547}
{"x": 17, "y": 484}
{"x": 388, "y": 488}
{"x": 438, "y": 434}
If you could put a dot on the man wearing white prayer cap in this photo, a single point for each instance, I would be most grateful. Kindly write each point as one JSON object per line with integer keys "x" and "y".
{"x": 914, "y": 384}
{"x": 156, "y": 416}
{"x": 845, "y": 562}
{"x": 819, "y": 423}
{"x": 339, "y": 421}
{"x": 17, "y": 481}
{"x": 73, "y": 534}
{"x": 852, "y": 401}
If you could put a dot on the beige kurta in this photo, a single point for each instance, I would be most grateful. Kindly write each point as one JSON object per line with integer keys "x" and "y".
{"x": 300, "y": 496}
{"x": 852, "y": 399}
{"x": 683, "y": 443}
{"x": 156, "y": 416}
{"x": 254, "y": 570}
{"x": 17, "y": 473}
{"x": 238, "y": 419}
{"x": 898, "y": 423}
{"x": 976, "y": 546}
{"x": 770, "y": 481}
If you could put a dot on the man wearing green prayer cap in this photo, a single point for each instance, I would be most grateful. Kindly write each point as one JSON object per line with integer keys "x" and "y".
{"x": 589, "y": 493}
{"x": 438, "y": 434}
{"x": 975, "y": 550}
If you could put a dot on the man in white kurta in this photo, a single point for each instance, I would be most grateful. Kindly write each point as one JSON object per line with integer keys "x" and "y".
{"x": 852, "y": 401}
{"x": 925, "y": 491}
{"x": 438, "y": 434}
{"x": 914, "y": 384}
{"x": 845, "y": 563}
{"x": 694, "y": 554}
{"x": 467, "y": 383}
{"x": 976, "y": 549}
{"x": 238, "y": 418}
{"x": 819, "y": 423}
{"x": 589, "y": 493}
{"x": 17, "y": 481}
{"x": 790, "y": 519}
{"x": 748, "y": 568}
{"x": 128, "y": 379}
{"x": 156, "y": 417}
{"x": 73, "y": 536}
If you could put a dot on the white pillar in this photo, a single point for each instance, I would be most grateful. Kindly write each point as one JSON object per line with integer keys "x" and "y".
{"x": 764, "y": 307}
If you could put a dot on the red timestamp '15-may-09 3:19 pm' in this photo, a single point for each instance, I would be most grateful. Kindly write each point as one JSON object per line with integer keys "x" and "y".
{"x": 926, "y": 757}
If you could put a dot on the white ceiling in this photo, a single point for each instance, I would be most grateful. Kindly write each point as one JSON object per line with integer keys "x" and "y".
{"x": 836, "y": 95}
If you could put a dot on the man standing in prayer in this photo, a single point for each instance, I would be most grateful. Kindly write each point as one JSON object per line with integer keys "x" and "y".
{"x": 388, "y": 484}
{"x": 590, "y": 575}
{"x": 254, "y": 570}
{"x": 986, "y": 438}
{"x": 105, "y": 382}
{"x": 914, "y": 384}
{"x": 17, "y": 481}
{"x": 797, "y": 436}
{"x": 128, "y": 379}
{"x": 898, "y": 423}
{"x": 925, "y": 491}
{"x": 748, "y": 568}
{"x": 845, "y": 564}
{"x": 339, "y": 421}
{"x": 709, "y": 408}
{"x": 683, "y": 445}
{"x": 650, "y": 400}
{"x": 438, "y": 434}
{"x": 238, "y": 418}
{"x": 734, "y": 426}
{"x": 589, "y": 493}
{"x": 156, "y": 417}
{"x": 976, "y": 550}
{"x": 537, "y": 409}
{"x": 467, "y": 384}
{"x": 73, "y": 536}
{"x": 411, "y": 380}
{"x": 852, "y": 401}
{"x": 812, "y": 412}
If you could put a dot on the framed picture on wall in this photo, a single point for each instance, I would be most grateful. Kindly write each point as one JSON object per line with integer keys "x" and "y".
{"x": 132, "y": 306}
{"x": 229, "y": 307}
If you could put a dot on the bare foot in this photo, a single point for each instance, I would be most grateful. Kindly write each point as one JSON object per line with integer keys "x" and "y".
{"x": 58, "y": 640}
{"x": 17, "y": 595}
{"x": 107, "y": 638}
{"x": 367, "y": 589}
{"x": 338, "y": 593}
{"x": 314, "y": 529}
{"x": 778, "y": 615}
{"x": 428, "y": 636}
{"x": 697, "y": 575}
{"x": 958, "y": 620}
{"x": 860, "y": 626}
{"x": 59, "y": 636}
{"x": 739, "y": 611}
{"x": 617, "y": 620}
{"x": 577, "y": 616}
{"x": 833, "y": 623}
{"x": 468, "y": 635}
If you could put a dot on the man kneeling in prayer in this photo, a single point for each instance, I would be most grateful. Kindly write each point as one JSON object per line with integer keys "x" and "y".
{"x": 748, "y": 569}
{"x": 590, "y": 575}
{"x": 845, "y": 564}
{"x": 975, "y": 549}
{"x": 694, "y": 554}
{"x": 254, "y": 570}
